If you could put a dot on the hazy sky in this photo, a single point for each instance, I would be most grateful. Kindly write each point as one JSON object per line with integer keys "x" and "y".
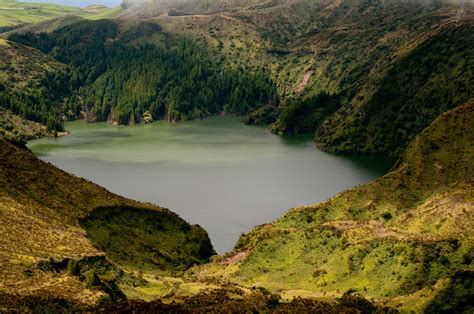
{"x": 79, "y": 3}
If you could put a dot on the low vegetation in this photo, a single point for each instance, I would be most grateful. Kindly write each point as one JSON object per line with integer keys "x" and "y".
{"x": 54, "y": 231}
{"x": 26, "y": 85}
{"x": 15, "y": 128}
{"x": 145, "y": 239}
{"x": 411, "y": 227}
{"x": 375, "y": 57}
{"x": 285, "y": 54}
{"x": 258, "y": 301}
{"x": 306, "y": 115}
{"x": 434, "y": 77}
{"x": 379, "y": 77}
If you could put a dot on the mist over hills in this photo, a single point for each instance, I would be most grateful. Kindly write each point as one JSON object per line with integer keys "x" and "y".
{"x": 80, "y": 3}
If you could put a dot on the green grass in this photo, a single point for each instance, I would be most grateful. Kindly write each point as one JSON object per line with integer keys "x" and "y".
{"x": 400, "y": 64}
{"x": 14, "y": 13}
{"x": 147, "y": 240}
{"x": 361, "y": 53}
{"x": 404, "y": 239}
{"x": 16, "y": 128}
{"x": 398, "y": 240}
{"x": 41, "y": 211}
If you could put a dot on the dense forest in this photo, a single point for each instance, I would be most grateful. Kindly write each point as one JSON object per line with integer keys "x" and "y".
{"x": 124, "y": 83}
{"x": 306, "y": 114}
{"x": 31, "y": 105}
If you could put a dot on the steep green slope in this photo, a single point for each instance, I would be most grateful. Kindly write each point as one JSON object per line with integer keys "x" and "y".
{"x": 56, "y": 229}
{"x": 388, "y": 68}
{"x": 15, "y": 128}
{"x": 67, "y": 245}
{"x": 434, "y": 77}
{"x": 29, "y": 83}
{"x": 369, "y": 76}
{"x": 407, "y": 239}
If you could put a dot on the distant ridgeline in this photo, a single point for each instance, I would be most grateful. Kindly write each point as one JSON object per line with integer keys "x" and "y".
{"x": 195, "y": 6}
{"x": 108, "y": 78}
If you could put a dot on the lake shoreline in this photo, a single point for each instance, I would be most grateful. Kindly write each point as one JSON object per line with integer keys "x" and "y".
{"x": 216, "y": 172}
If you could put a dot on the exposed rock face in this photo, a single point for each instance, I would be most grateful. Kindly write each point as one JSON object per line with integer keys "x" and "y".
{"x": 147, "y": 117}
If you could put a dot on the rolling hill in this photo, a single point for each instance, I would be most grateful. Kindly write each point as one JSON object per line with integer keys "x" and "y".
{"x": 372, "y": 57}
{"x": 14, "y": 14}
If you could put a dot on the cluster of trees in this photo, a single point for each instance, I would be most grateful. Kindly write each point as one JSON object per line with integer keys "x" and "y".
{"x": 179, "y": 83}
{"x": 115, "y": 79}
{"x": 306, "y": 114}
{"x": 31, "y": 106}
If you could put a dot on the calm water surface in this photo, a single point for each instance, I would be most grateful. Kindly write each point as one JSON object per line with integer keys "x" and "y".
{"x": 217, "y": 172}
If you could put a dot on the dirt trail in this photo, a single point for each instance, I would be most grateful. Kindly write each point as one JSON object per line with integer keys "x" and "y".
{"x": 460, "y": 12}
{"x": 237, "y": 257}
{"x": 304, "y": 81}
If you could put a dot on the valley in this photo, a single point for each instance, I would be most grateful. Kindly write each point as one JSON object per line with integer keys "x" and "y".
{"x": 323, "y": 148}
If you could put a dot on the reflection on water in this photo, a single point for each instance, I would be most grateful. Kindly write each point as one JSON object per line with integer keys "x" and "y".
{"x": 216, "y": 172}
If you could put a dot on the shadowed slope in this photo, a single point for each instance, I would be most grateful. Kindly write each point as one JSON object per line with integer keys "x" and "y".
{"x": 41, "y": 208}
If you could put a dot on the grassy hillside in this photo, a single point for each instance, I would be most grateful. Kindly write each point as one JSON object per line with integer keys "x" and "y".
{"x": 24, "y": 68}
{"x": 69, "y": 245}
{"x": 14, "y": 14}
{"x": 15, "y": 128}
{"x": 365, "y": 76}
{"x": 432, "y": 78}
{"x": 65, "y": 237}
{"x": 17, "y": 13}
{"x": 405, "y": 240}
{"x": 187, "y": 7}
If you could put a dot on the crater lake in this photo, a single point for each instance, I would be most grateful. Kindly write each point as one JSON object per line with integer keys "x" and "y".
{"x": 219, "y": 173}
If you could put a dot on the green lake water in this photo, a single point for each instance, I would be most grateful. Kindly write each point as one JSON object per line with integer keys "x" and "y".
{"x": 216, "y": 172}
